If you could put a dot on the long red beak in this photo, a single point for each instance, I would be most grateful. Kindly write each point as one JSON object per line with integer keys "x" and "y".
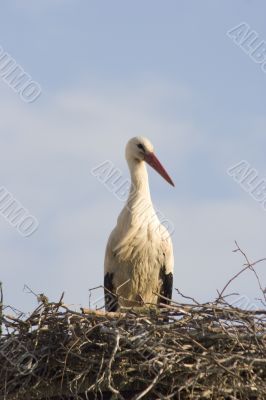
{"x": 153, "y": 161}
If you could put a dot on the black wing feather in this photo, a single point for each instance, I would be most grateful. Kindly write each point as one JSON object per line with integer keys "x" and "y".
{"x": 167, "y": 286}
{"x": 111, "y": 303}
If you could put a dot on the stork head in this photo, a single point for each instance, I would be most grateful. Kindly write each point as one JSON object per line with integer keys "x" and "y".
{"x": 140, "y": 149}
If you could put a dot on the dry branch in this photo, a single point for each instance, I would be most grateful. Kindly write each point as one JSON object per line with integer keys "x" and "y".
{"x": 185, "y": 350}
{"x": 210, "y": 351}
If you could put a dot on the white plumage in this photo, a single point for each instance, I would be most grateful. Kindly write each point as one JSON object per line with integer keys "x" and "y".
{"x": 139, "y": 255}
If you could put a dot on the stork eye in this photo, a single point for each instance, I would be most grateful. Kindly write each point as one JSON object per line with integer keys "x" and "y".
{"x": 140, "y": 146}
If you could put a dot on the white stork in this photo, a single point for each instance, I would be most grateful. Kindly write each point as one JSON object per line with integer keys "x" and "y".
{"x": 139, "y": 257}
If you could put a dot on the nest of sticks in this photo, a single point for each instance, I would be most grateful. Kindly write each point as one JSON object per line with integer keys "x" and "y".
{"x": 185, "y": 350}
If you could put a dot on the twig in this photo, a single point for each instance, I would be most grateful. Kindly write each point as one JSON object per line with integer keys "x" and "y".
{"x": 248, "y": 266}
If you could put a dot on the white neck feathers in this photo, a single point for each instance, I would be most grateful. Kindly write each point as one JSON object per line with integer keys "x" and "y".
{"x": 139, "y": 183}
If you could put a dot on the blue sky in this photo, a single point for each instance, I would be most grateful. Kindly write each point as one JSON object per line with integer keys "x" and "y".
{"x": 110, "y": 71}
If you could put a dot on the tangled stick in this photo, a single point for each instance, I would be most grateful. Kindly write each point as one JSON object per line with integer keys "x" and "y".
{"x": 185, "y": 350}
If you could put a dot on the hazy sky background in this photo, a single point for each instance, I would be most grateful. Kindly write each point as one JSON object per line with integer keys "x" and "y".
{"x": 110, "y": 70}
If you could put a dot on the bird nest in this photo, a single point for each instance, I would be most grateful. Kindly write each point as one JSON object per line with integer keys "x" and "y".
{"x": 184, "y": 350}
